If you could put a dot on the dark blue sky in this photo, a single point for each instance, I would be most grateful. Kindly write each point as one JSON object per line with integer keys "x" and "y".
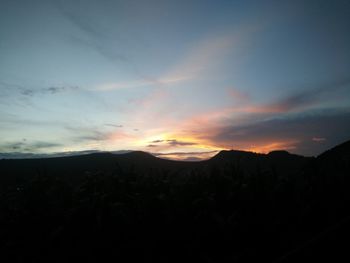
{"x": 174, "y": 76}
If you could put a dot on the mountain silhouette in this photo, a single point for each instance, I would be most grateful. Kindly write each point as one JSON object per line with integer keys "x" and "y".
{"x": 237, "y": 206}
{"x": 74, "y": 167}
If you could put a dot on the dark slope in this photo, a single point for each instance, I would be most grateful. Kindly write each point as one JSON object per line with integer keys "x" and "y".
{"x": 342, "y": 150}
{"x": 327, "y": 184}
{"x": 278, "y": 162}
{"x": 73, "y": 168}
{"x": 335, "y": 161}
{"x": 236, "y": 207}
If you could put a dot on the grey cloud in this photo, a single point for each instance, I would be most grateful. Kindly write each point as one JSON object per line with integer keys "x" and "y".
{"x": 114, "y": 125}
{"x": 309, "y": 97}
{"x": 86, "y": 133}
{"x": 157, "y": 141}
{"x": 49, "y": 90}
{"x": 34, "y": 91}
{"x": 171, "y": 142}
{"x": 21, "y": 155}
{"x": 54, "y": 90}
{"x": 27, "y": 146}
{"x": 332, "y": 124}
{"x": 27, "y": 92}
{"x": 174, "y": 142}
{"x": 42, "y": 144}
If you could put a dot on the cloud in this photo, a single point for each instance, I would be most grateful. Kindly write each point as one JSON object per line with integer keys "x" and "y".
{"x": 35, "y": 91}
{"x": 54, "y": 90}
{"x": 114, "y": 125}
{"x": 27, "y": 146}
{"x": 49, "y": 90}
{"x": 97, "y": 137}
{"x": 303, "y": 100}
{"x": 157, "y": 141}
{"x": 187, "y": 156}
{"x": 292, "y": 133}
{"x": 329, "y": 93}
{"x": 174, "y": 142}
{"x": 141, "y": 82}
{"x": 82, "y": 134}
{"x": 97, "y": 37}
{"x": 101, "y": 48}
{"x": 170, "y": 142}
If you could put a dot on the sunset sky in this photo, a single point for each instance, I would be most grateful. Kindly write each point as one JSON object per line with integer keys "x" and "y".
{"x": 181, "y": 79}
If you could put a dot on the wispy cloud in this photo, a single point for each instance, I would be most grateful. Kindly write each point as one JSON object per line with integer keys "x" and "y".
{"x": 97, "y": 37}
{"x": 142, "y": 82}
{"x": 114, "y": 125}
{"x": 204, "y": 55}
{"x": 50, "y": 90}
{"x": 174, "y": 142}
{"x": 157, "y": 141}
{"x": 27, "y": 146}
{"x": 36, "y": 91}
{"x": 309, "y": 97}
{"x": 293, "y": 123}
{"x": 250, "y": 111}
{"x": 297, "y": 133}
{"x": 85, "y": 133}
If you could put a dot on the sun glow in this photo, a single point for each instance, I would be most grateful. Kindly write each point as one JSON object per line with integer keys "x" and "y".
{"x": 272, "y": 146}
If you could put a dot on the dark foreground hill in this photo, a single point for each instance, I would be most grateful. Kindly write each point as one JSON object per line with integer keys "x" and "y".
{"x": 74, "y": 168}
{"x": 236, "y": 207}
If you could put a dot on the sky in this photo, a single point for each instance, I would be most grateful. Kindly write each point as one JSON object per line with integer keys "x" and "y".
{"x": 180, "y": 79}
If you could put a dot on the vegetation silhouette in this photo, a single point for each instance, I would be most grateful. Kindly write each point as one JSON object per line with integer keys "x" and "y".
{"x": 236, "y": 207}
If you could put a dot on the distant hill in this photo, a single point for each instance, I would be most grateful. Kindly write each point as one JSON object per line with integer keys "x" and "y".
{"x": 75, "y": 165}
{"x": 235, "y": 207}
{"x": 19, "y": 155}
{"x": 141, "y": 161}
{"x": 277, "y": 161}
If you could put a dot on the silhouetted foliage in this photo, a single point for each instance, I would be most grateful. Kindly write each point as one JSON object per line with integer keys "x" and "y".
{"x": 237, "y": 207}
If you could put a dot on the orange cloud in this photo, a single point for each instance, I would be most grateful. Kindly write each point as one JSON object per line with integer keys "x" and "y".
{"x": 187, "y": 156}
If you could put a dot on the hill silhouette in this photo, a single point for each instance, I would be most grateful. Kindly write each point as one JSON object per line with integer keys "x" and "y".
{"x": 235, "y": 207}
{"x": 75, "y": 166}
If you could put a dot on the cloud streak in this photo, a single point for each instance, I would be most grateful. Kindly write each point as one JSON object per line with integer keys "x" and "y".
{"x": 27, "y": 146}
{"x": 296, "y": 133}
{"x": 98, "y": 37}
{"x": 114, "y": 125}
{"x": 50, "y": 90}
{"x": 187, "y": 156}
{"x": 36, "y": 91}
